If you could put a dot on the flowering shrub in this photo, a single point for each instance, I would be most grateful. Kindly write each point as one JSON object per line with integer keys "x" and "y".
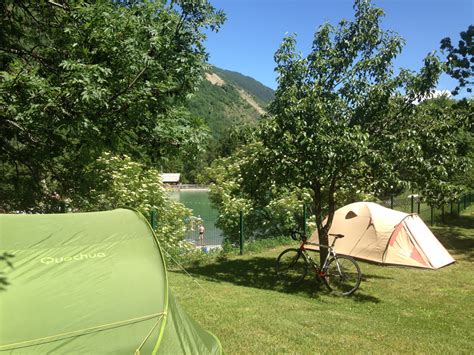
{"x": 122, "y": 182}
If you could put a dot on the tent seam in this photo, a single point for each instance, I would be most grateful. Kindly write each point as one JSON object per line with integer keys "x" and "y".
{"x": 418, "y": 246}
{"x": 79, "y": 332}
{"x": 165, "y": 311}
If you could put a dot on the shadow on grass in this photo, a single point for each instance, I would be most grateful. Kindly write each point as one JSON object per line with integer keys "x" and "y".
{"x": 458, "y": 235}
{"x": 259, "y": 272}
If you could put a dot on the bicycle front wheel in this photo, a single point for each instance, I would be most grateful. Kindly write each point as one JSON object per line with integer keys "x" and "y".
{"x": 291, "y": 266}
{"x": 343, "y": 275}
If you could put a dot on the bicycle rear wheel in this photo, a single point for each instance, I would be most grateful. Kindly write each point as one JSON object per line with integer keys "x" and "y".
{"x": 291, "y": 266}
{"x": 343, "y": 275}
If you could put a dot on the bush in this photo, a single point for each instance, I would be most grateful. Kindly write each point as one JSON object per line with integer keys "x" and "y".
{"x": 122, "y": 182}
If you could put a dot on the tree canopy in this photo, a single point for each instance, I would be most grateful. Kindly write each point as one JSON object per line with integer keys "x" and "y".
{"x": 460, "y": 59}
{"x": 343, "y": 121}
{"x": 79, "y": 78}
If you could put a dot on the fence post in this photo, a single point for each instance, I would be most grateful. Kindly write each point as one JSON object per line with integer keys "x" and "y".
{"x": 153, "y": 219}
{"x": 432, "y": 214}
{"x": 391, "y": 202}
{"x": 412, "y": 203}
{"x": 304, "y": 221}
{"x": 241, "y": 234}
{"x": 418, "y": 206}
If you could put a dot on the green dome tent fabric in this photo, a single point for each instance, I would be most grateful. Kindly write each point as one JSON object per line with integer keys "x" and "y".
{"x": 90, "y": 283}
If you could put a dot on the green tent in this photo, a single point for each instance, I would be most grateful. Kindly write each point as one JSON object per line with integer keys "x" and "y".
{"x": 90, "y": 283}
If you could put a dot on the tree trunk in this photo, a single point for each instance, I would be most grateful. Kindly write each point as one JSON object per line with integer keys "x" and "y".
{"x": 322, "y": 233}
{"x": 323, "y": 228}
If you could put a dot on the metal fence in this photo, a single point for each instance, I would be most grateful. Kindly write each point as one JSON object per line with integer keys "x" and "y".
{"x": 429, "y": 213}
{"x": 202, "y": 231}
{"x": 213, "y": 237}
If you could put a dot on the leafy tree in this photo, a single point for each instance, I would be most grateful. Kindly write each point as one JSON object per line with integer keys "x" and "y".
{"x": 343, "y": 121}
{"x": 443, "y": 144}
{"x": 272, "y": 214}
{"x": 460, "y": 59}
{"x": 82, "y": 77}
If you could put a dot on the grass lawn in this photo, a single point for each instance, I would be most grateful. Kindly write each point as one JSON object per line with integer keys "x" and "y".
{"x": 396, "y": 310}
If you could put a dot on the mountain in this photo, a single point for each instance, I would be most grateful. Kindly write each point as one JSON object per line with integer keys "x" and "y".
{"x": 230, "y": 104}
{"x": 226, "y": 98}
{"x": 260, "y": 92}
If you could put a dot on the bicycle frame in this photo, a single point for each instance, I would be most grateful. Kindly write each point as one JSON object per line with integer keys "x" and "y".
{"x": 339, "y": 272}
{"x": 331, "y": 253}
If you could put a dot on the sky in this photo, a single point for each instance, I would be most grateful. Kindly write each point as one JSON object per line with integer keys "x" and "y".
{"x": 254, "y": 29}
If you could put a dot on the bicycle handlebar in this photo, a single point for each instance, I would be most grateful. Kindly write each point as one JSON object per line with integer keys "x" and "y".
{"x": 302, "y": 236}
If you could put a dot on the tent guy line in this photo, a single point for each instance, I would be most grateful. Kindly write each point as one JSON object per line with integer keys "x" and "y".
{"x": 190, "y": 276}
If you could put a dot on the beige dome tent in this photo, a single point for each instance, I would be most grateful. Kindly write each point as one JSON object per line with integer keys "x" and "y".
{"x": 373, "y": 232}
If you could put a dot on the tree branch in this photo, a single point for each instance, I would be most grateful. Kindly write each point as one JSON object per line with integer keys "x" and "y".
{"x": 129, "y": 86}
{"x": 57, "y": 5}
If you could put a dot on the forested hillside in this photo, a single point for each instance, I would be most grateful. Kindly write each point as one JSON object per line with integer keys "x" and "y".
{"x": 230, "y": 104}
{"x": 261, "y": 93}
{"x": 226, "y": 98}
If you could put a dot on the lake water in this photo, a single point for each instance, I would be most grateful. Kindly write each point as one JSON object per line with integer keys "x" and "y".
{"x": 199, "y": 202}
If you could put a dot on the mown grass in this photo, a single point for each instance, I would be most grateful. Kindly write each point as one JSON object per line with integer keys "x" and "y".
{"x": 396, "y": 310}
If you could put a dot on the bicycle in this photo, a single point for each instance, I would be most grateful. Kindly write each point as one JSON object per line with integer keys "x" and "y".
{"x": 340, "y": 273}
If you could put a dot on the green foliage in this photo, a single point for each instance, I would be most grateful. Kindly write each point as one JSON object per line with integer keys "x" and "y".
{"x": 460, "y": 59}
{"x": 441, "y": 151}
{"x": 275, "y": 213}
{"x": 231, "y": 121}
{"x": 80, "y": 78}
{"x": 262, "y": 94}
{"x": 122, "y": 182}
{"x": 343, "y": 125}
{"x": 221, "y": 107}
{"x": 343, "y": 121}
